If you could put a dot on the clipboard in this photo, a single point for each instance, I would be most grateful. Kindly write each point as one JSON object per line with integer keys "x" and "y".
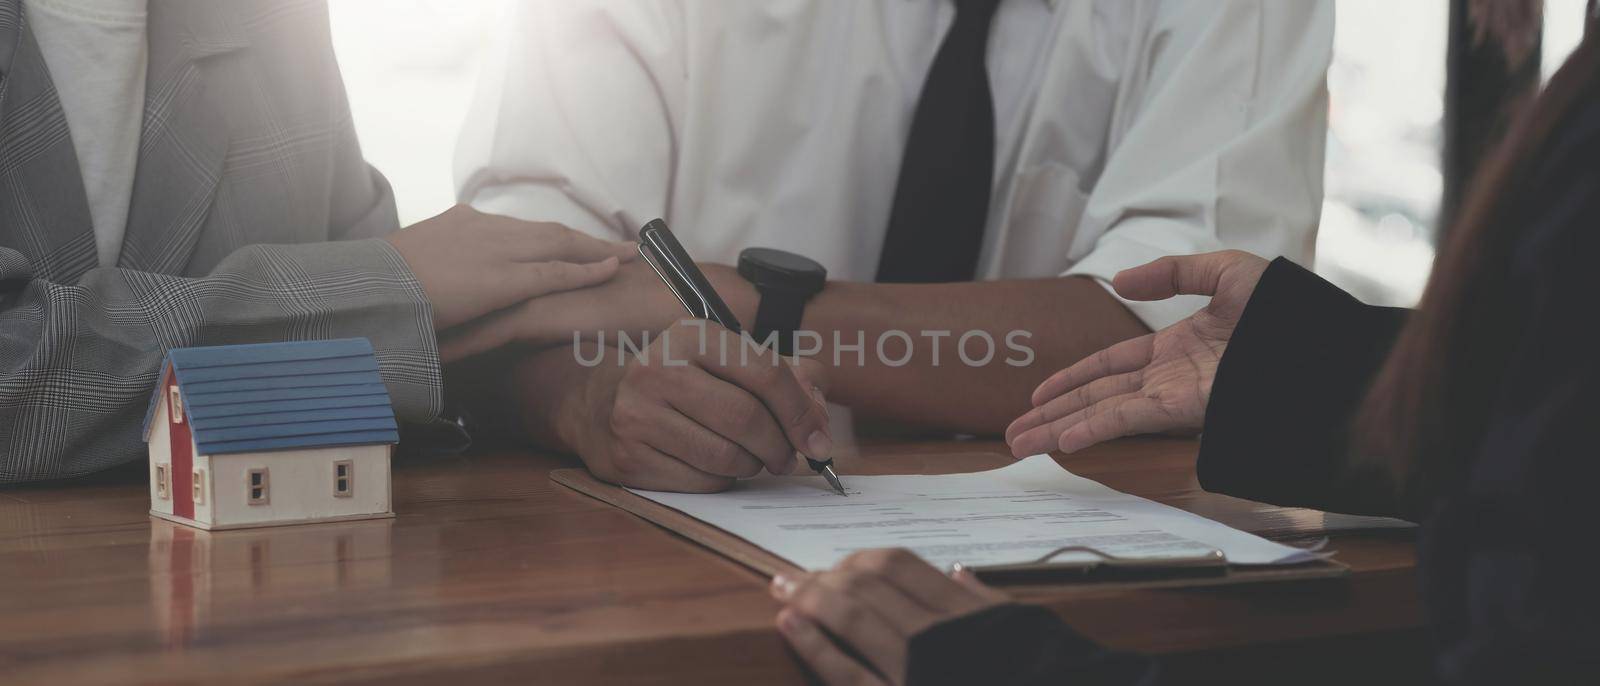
{"x": 1106, "y": 571}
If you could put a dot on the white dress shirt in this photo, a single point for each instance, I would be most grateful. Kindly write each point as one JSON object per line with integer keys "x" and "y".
{"x": 96, "y": 52}
{"x": 1126, "y": 129}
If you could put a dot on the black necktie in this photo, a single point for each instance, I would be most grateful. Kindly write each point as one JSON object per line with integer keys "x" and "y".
{"x": 941, "y": 201}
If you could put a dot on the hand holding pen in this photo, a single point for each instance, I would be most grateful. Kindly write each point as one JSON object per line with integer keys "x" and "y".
{"x": 678, "y": 417}
{"x": 672, "y": 263}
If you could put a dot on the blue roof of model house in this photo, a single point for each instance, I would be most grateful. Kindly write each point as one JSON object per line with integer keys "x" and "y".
{"x": 267, "y": 397}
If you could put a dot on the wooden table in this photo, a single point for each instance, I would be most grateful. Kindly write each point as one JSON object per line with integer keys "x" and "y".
{"x": 492, "y": 573}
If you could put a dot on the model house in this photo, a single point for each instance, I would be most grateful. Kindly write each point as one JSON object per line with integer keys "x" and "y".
{"x": 269, "y": 434}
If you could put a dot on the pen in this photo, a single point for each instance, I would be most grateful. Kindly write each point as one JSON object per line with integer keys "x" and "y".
{"x": 662, "y": 251}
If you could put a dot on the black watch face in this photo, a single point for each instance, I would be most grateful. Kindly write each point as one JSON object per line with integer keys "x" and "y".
{"x": 782, "y": 269}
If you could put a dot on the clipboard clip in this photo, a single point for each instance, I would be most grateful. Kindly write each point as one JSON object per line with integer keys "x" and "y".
{"x": 1105, "y": 564}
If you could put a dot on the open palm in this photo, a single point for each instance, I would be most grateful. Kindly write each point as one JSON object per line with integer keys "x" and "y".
{"x": 1158, "y": 382}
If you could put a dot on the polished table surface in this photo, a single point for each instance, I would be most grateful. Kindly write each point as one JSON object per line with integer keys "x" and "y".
{"x": 490, "y": 572}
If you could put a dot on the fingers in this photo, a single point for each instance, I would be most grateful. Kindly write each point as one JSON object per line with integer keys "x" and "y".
{"x": 1179, "y": 275}
{"x": 714, "y": 415}
{"x": 970, "y": 581}
{"x": 812, "y": 374}
{"x": 762, "y": 373}
{"x": 514, "y": 283}
{"x": 703, "y": 448}
{"x": 543, "y": 278}
{"x": 567, "y": 245}
{"x": 872, "y": 603}
{"x": 855, "y": 587}
{"x": 916, "y": 578}
{"x": 526, "y": 241}
{"x": 1036, "y": 432}
{"x": 639, "y": 465}
{"x": 1121, "y": 358}
{"x": 854, "y": 619}
{"x": 641, "y": 417}
{"x": 820, "y": 654}
{"x": 511, "y": 323}
{"x": 1124, "y": 415}
{"x": 730, "y": 412}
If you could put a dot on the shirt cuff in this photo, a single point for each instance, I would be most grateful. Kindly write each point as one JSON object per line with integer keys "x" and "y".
{"x": 1114, "y": 255}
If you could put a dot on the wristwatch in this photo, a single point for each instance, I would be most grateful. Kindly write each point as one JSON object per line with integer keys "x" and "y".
{"x": 785, "y": 282}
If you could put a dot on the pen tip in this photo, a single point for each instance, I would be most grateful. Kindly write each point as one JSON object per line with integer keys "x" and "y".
{"x": 833, "y": 480}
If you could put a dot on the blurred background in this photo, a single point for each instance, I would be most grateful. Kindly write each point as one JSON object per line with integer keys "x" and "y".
{"x": 1386, "y": 140}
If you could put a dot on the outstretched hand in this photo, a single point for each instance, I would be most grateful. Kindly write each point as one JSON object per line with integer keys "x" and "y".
{"x": 1159, "y": 382}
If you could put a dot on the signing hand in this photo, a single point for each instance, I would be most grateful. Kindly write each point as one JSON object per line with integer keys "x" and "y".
{"x": 872, "y": 604}
{"x": 1155, "y": 383}
{"x": 694, "y": 414}
{"x": 470, "y": 263}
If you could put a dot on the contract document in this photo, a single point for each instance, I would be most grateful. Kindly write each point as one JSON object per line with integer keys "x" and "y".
{"x": 1011, "y": 515}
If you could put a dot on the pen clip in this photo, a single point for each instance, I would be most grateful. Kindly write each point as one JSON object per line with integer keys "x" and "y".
{"x": 680, "y": 278}
{"x": 647, "y": 251}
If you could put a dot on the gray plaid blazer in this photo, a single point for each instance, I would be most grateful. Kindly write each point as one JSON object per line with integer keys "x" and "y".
{"x": 253, "y": 218}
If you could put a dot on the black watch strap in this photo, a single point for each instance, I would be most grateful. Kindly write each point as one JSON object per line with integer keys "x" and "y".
{"x": 780, "y": 312}
{"x": 785, "y": 282}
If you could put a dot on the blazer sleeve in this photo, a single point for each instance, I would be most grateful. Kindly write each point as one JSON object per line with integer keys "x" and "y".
{"x": 78, "y": 360}
{"x": 1286, "y": 391}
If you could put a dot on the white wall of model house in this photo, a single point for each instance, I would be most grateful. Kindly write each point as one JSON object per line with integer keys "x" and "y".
{"x": 300, "y": 485}
{"x": 160, "y": 460}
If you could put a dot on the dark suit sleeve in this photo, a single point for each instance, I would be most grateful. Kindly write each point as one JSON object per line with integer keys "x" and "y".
{"x": 1017, "y": 645}
{"x": 1510, "y": 563}
{"x": 1295, "y": 371}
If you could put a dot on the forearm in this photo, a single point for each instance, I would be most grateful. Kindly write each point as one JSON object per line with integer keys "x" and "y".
{"x": 1048, "y": 323}
{"x": 1016, "y": 333}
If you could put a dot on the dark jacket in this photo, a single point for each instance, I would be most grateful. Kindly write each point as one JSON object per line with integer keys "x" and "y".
{"x": 1506, "y": 549}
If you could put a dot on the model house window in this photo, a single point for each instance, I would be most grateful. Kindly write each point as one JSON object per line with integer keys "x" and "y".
{"x": 259, "y": 487}
{"x": 161, "y": 481}
{"x": 344, "y": 472}
{"x": 176, "y": 401}
{"x": 199, "y": 493}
